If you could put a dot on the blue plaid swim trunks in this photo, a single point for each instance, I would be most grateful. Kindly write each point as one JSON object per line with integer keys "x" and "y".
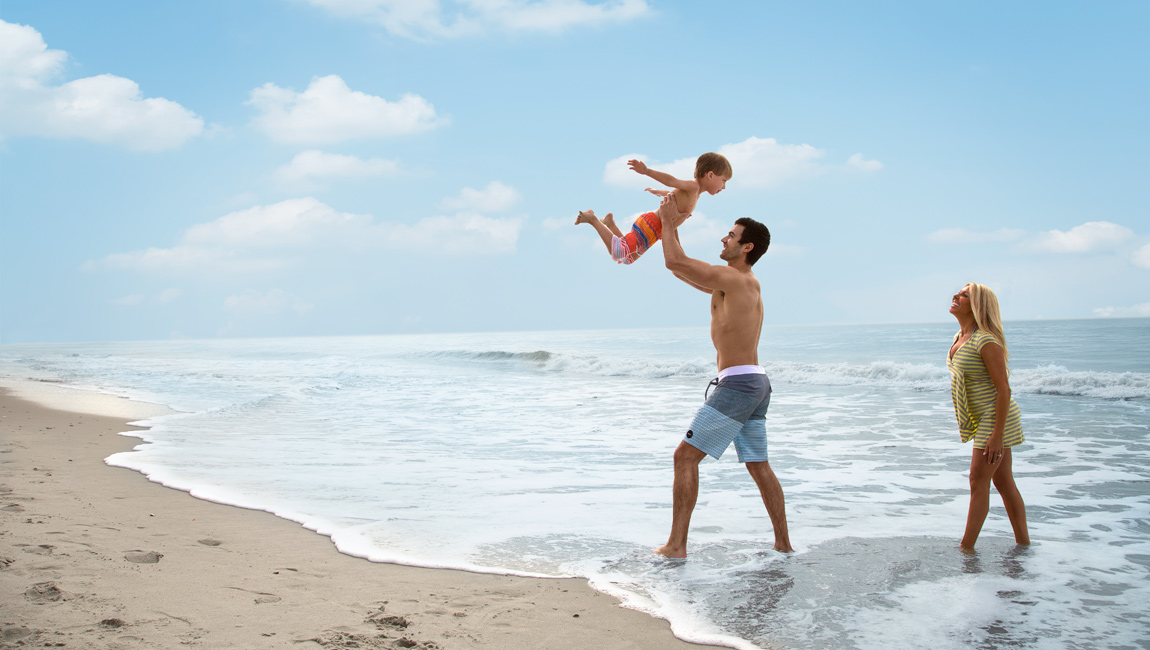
{"x": 735, "y": 412}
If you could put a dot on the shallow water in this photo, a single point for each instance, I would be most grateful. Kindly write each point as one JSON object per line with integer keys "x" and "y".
{"x": 549, "y": 454}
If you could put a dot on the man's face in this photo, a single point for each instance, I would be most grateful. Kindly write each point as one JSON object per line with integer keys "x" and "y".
{"x": 732, "y": 249}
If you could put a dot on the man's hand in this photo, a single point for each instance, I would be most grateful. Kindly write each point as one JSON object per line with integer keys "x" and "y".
{"x": 668, "y": 212}
{"x": 638, "y": 166}
{"x": 657, "y": 192}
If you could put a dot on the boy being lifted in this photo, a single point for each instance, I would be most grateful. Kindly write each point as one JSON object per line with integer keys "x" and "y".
{"x": 712, "y": 171}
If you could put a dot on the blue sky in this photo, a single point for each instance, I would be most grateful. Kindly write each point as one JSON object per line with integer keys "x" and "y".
{"x": 236, "y": 168}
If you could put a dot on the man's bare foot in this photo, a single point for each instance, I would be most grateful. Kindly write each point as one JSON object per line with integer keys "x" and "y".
{"x": 672, "y": 553}
{"x": 586, "y": 216}
{"x": 784, "y": 548}
{"x": 967, "y": 550}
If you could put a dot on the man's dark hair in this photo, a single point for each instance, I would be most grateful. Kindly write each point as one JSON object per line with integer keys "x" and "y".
{"x": 754, "y": 233}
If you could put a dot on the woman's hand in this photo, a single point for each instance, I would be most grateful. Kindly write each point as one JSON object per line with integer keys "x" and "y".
{"x": 993, "y": 451}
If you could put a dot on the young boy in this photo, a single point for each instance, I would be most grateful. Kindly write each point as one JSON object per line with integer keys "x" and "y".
{"x": 712, "y": 171}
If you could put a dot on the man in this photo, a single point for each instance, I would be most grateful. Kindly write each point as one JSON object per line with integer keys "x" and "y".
{"x": 735, "y": 410}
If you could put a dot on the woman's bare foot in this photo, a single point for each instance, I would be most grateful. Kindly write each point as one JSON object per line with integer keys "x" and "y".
{"x": 587, "y": 216}
{"x": 673, "y": 553}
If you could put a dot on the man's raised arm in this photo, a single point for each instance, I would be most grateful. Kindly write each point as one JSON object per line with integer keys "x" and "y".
{"x": 697, "y": 273}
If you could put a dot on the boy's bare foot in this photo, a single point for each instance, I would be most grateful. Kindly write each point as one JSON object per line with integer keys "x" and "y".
{"x": 673, "y": 553}
{"x": 784, "y": 548}
{"x": 609, "y": 221}
{"x": 586, "y": 216}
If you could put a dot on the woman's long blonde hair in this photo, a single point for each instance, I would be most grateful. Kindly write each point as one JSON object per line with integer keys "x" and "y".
{"x": 987, "y": 316}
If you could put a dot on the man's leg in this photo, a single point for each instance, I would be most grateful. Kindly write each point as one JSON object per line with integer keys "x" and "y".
{"x": 686, "y": 491}
{"x": 772, "y": 493}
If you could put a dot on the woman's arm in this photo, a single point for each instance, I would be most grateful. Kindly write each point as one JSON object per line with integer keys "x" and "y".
{"x": 994, "y": 359}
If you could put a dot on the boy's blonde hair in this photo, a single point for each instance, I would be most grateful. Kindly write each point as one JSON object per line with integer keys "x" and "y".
{"x": 712, "y": 162}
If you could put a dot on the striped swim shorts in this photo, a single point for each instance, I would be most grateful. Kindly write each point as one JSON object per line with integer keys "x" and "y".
{"x": 735, "y": 412}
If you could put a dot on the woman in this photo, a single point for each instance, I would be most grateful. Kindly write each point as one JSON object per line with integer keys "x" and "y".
{"x": 984, "y": 408}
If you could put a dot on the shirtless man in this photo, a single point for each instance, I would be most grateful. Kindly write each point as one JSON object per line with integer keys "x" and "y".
{"x": 735, "y": 410}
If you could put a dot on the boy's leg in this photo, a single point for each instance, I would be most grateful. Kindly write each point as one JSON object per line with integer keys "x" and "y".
{"x": 588, "y": 216}
{"x": 609, "y": 221}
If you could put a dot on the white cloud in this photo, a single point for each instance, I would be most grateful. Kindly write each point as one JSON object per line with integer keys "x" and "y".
{"x": 104, "y": 108}
{"x": 167, "y": 296}
{"x": 756, "y": 162}
{"x": 1090, "y": 237}
{"x": 271, "y": 237}
{"x": 557, "y": 223}
{"x": 131, "y": 300}
{"x": 1137, "y": 311}
{"x": 858, "y": 162}
{"x": 313, "y": 167}
{"x": 25, "y": 60}
{"x": 428, "y": 19}
{"x": 328, "y": 111}
{"x": 461, "y": 233}
{"x": 962, "y": 236}
{"x": 764, "y": 163}
{"x": 617, "y": 173}
{"x": 170, "y": 295}
{"x": 295, "y": 222}
{"x": 1141, "y": 257}
{"x": 496, "y": 197}
{"x": 274, "y": 301}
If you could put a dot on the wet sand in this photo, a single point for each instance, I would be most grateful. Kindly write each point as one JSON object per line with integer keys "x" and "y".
{"x": 93, "y": 556}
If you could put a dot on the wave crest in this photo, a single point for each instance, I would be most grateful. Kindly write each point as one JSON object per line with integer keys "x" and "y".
{"x": 1044, "y": 380}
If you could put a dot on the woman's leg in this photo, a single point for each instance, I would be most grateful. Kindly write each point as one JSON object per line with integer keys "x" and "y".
{"x": 1012, "y": 499}
{"x": 980, "y": 476}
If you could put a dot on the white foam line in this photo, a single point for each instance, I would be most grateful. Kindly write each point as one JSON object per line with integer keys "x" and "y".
{"x": 63, "y": 397}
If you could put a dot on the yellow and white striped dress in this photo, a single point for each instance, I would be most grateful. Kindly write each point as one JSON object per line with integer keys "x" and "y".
{"x": 974, "y": 394}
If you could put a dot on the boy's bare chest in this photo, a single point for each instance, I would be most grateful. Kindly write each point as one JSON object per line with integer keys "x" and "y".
{"x": 685, "y": 201}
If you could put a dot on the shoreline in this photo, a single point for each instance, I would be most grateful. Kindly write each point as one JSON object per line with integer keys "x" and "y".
{"x": 97, "y": 556}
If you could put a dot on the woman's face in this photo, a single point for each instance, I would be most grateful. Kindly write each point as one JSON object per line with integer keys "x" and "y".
{"x": 960, "y": 303}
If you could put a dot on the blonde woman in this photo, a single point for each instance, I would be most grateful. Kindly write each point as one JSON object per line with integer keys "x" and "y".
{"x": 986, "y": 413}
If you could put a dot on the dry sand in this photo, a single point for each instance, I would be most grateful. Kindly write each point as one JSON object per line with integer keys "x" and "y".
{"x": 98, "y": 557}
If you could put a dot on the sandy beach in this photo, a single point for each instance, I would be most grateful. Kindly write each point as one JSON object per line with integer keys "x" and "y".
{"x": 93, "y": 556}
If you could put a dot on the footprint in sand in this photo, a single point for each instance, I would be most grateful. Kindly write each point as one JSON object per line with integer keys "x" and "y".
{"x": 13, "y": 634}
{"x": 210, "y": 542}
{"x": 140, "y": 557}
{"x": 44, "y": 592}
{"x": 261, "y": 596}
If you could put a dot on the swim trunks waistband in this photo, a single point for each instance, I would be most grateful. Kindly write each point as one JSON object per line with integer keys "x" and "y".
{"x": 741, "y": 370}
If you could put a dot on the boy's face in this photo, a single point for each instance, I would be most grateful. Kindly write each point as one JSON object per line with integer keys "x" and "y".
{"x": 713, "y": 183}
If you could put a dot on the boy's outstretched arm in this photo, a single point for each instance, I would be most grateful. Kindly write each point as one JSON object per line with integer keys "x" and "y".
{"x": 666, "y": 179}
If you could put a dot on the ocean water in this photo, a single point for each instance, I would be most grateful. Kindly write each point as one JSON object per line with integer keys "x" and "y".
{"x": 549, "y": 454}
